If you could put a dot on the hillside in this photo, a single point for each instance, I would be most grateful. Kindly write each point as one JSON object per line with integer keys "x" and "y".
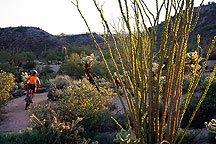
{"x": 82, "y": 39}
{"x": 28, "y": 39}
{"x": 206, "y": 27}
{"x": 37, "y": 40}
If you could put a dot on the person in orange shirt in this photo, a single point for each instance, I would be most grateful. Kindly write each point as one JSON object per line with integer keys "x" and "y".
{"x": 32, "y": 83}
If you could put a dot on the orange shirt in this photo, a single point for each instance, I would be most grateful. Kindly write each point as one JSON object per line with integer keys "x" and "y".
{"x": 33, "y": 80}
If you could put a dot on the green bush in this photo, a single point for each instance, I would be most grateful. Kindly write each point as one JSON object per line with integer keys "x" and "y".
{"x": 186, "y": 83}
{"x": 83, "y": 100}
{"x": 207, "y": 109}
{"x": 57, "y": 85}
{"x": 72, "y": 66}
{"x": 6, "y": 85}
{"x": 6, "y": 66}
{"x": 19, "y": 93}
{"x": 53, "y": 55}
{"x": 45, "y": 74}
{"x": 81, "y": 50}
{"x": 193, "y": 136}
{"x": 211, "y": 137}
{"x": 100, "y": 70}
{"x": 26, "y": 136}
{"x": 189, "y": 136}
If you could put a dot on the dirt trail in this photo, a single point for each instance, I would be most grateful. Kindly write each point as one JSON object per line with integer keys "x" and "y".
{"x": 16, "y": 117}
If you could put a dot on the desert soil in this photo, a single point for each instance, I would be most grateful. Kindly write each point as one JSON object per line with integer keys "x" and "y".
{"x": 16, "y": 118}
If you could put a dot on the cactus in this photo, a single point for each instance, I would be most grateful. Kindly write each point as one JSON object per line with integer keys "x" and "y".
{"x": 211, "y": 126}
{"x": 126, "y": 137}
{"x": 193, "y": 61}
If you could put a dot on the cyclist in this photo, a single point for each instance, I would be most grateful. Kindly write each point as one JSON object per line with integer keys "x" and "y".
{"x": 32, "y": 83}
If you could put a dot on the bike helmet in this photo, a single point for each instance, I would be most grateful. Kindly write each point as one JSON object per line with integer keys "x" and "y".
{"x": 34, "y": 72}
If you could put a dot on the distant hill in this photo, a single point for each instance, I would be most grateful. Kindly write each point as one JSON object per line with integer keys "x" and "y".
{"x": 82, "y": 39}
{"x": 37, "y": 40}
{"x": 31, "y": 39}
{"x": 206, "y": 27}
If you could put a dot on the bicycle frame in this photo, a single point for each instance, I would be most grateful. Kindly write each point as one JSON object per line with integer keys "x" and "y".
{"x": 29, "y": 98}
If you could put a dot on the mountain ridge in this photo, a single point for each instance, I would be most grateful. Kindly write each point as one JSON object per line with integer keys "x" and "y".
{"x": 37, "y": 40}
{"x": 28, "y": 39}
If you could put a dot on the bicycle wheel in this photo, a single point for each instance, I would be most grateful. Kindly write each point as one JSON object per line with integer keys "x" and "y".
{"x": 28, "y": 101}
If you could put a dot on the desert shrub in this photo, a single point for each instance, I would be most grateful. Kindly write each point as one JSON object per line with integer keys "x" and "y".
{"x": 53, "y": 55}
{"x": 57, "y": 131}
{"x": 211, "y": 137}
{"x": 29, "y": 65}
{"x": 186, "y": 83}
{"x": 19, "y": 93}
{"x": 24, "y": 56}
{"x": 207, "y": 109}
{"x": 81, "y": 50}
{"x": 57, "y": 85}
{"x": 72, "y": 66}
{"x": 6, "y": 85}
{"x": 105, "y": 138}
{"x": 6, "y": 66}
{"x": 46, "y": 73}
{"x": 10, "y": 59}
{"x": 25, "y": 136}
{"x": 189, "y": 136}
{"x": 46, "y": 70}
{"x": 102, "y": 82}
{"x": 100, "y": 70}
{"x": 94, "y": 106}
{"x": 83, "y": 100}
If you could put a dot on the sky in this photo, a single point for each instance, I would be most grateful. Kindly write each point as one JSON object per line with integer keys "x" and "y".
{"x": 60, "y": 16}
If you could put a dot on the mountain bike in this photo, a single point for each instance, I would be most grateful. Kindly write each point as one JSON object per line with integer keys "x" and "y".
{"x": 29, "y": 97}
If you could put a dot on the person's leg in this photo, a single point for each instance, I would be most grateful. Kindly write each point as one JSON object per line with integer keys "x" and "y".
{"x": 32, "y": 97}
{"x": 33, "y": 93}
{"x": 27, "y": 94}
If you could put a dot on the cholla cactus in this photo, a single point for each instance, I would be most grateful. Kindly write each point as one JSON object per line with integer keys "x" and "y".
{"x": 192, "y": 61}
{"x": 88, "y": 62}
{"x": 116, "y": 78}
{"x": 211, "y": 126}
{"x": 88, "y": 59}
{"x": 155, "y": 74}
{"x": 155, "y": 68}
{"x": 126, "y": 137}
{"x": 192, "y": 57}
{"x": 24, "y": 76}
{"x": 62, "y": 131}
